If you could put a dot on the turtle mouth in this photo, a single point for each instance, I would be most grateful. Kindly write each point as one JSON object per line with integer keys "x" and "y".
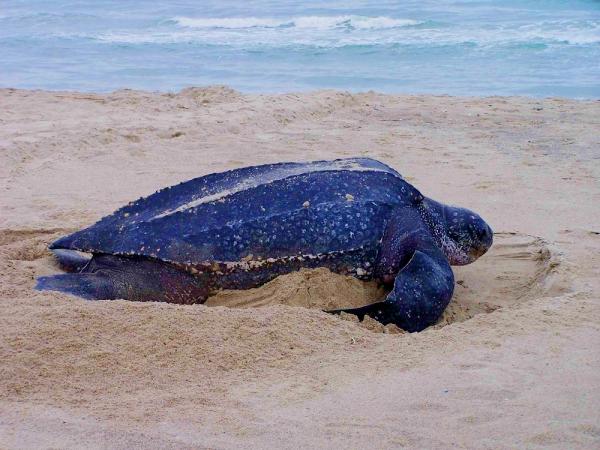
{"x": 461, "y": 258}
{"x": 477, "y": 252}
{"x": 486, "y": 242}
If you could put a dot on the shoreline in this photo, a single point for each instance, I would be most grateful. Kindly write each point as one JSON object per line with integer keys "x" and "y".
{"x": 306, "y": 92}
{"x": 517, "y": 351}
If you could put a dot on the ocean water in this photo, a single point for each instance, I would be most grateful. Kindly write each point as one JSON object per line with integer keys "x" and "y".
{"x": 458, "y": 47}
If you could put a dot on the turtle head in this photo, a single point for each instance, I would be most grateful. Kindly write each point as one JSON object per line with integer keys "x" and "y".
{"x": 460, "y": 233}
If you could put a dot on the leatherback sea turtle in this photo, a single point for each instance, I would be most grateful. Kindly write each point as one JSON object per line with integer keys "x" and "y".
{"x": 242, "y": 228}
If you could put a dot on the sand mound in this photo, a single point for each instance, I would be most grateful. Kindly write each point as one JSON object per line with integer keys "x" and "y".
{"x": 212, "y": 94}
{"x": 318, "y": 289}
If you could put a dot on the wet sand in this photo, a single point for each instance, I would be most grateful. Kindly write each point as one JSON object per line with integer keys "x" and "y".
{"x": 514, "y": 362}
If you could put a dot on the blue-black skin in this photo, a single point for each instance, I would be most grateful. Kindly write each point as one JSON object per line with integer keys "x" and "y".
{"x": 242, "y": 228}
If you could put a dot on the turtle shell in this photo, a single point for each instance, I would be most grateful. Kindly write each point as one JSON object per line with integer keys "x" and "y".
{"x": 260, "y": 212}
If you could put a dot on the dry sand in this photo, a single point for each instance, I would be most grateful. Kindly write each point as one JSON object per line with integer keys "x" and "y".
{"x": 514, "y": 362}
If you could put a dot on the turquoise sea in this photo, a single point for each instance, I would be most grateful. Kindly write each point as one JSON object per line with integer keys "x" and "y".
{"x": 459, "y": 47}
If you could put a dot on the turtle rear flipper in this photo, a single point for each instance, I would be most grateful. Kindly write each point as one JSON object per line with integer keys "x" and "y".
{"x": 86, "y": 285}
{"x": 109, "y": 277}
{"x": 71, "y": 260}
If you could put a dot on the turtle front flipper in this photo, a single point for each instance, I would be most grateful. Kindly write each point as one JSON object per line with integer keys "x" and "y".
{"x": 422, "y": 290}
{"x": 424, "y": 282}
{"x": 108, "y": 277}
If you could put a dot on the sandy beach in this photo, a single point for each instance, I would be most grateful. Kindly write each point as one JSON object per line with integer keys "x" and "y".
{"x": 514, "y": 362}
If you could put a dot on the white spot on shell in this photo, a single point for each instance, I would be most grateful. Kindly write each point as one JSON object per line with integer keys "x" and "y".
{"x": 306, "y": 204}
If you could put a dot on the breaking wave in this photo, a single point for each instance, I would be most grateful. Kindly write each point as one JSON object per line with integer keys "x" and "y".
{"x": 341, "y": 31}
{"x": 314, "y": 22}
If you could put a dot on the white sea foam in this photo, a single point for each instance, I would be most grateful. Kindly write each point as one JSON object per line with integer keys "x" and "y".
{"x": 578, "y": 32}
{"x": 314, "y": 22}
{"x": 227, "y": 22}
{"x": 340, "y": 31}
